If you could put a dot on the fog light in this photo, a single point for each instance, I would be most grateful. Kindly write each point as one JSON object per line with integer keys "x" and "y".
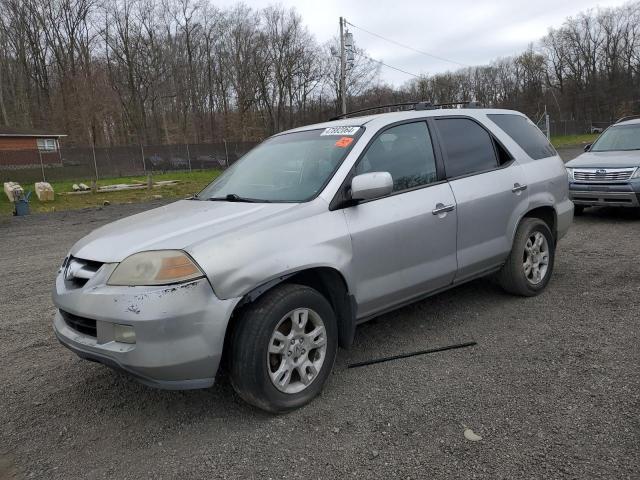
{"x": 124, "y": 333}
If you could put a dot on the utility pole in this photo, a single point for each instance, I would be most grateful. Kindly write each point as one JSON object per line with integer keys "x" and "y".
{"x": 93, "y": 150}
{"x": 144, "y": 165}
{"x": 343, "y": 69}
{"x": 547, "y": 123}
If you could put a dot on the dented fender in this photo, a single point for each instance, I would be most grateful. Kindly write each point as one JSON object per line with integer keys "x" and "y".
{"x": 314, "y": 237}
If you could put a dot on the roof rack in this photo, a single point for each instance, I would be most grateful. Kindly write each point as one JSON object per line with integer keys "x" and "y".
{"x": 415, "y": 106}
{"x": 628, "y": 117}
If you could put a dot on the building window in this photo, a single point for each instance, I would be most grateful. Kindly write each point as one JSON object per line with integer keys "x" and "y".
{"x": 47, "y": 144}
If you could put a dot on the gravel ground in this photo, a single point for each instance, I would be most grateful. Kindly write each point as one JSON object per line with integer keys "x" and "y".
{"x": 569, "y": 153}
{"x": 553, "y": 386}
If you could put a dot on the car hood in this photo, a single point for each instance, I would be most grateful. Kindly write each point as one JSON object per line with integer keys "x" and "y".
{"x": 174, "y": 226}
{"x": 619, "y": 159}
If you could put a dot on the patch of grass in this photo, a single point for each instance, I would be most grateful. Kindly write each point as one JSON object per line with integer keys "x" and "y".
{"x": 190, "y": 183}
{"x": 573, "y": 140}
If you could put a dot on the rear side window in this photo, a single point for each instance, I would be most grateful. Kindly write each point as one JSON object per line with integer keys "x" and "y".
{"x": 468, "y": 147}
{"x": 525, "y": 134}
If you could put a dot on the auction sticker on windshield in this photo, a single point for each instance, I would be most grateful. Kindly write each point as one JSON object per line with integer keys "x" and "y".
{"x": 344, "y": 142}
{"x": 340, "y": 131}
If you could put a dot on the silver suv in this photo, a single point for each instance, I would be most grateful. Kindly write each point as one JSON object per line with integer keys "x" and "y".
{"x": 309, "y": 234}
{"x": 608, "y": 174}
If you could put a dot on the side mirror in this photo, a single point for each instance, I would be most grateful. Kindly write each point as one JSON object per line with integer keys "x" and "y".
{"x": 371, "y": 185}
{"x": 587, "y": 147}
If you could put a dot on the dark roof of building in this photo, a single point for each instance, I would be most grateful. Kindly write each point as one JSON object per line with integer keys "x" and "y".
{"x": 27, "y": 132}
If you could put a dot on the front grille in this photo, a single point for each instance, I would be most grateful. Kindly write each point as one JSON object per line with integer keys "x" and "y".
{"x": 602, "y": 175}
{"x": 83, "y": 325}
{"x": 79, "y": 271}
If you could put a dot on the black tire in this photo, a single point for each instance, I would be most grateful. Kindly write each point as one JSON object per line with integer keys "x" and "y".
{"x": 250, "y": 342}
{"x": 578, "y": 210}
{"x": 512, "y": 276}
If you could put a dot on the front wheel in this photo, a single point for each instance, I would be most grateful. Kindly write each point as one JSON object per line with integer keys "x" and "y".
{"x": 283, "y": 348}
{"x": 530, "y": 263}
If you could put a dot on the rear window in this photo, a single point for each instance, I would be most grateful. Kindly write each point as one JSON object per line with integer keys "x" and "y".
{"x": 525, "y": 134}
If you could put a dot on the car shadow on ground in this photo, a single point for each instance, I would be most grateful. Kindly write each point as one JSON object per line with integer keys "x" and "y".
{"x": 610, "y": 213}
{"x": 436, "y": 321}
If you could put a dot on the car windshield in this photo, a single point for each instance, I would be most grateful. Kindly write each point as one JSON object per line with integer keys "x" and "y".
{"x": 619, "y": 137}
{"x": 293, "y": 167}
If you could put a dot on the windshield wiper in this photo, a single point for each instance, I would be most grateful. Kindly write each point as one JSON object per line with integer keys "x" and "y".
{"x": 234, "y": 197}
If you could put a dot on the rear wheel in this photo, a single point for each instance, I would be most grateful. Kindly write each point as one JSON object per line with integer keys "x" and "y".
{"x": 530, "y": 263}
{"x": 283, "y": 348}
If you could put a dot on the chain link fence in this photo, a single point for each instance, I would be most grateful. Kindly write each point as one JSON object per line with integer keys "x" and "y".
{"x": 569, "y": 127}
{"x": 85, "y": 163}
{"x": 572, "y": 127}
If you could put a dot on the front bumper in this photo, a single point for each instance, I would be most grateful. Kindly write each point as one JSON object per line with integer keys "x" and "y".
{"x": 179, "y": 329}
{"x": 606, "y": 195}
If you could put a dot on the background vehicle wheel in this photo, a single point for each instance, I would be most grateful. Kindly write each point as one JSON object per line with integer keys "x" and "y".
{"x": 530, "y": 263}
{"x": 283, "y": 348}
{"x": 578, "y": 210}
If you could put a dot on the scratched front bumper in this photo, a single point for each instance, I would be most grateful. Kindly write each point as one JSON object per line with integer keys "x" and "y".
{"x": 179, "y": 329}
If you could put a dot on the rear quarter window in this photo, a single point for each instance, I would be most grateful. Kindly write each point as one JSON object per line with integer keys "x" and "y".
{"x": 525, "y": 134}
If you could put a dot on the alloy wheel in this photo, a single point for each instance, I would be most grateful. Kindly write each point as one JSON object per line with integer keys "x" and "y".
{"x": 535, "y": 261}
{"x": 297, "y": 350}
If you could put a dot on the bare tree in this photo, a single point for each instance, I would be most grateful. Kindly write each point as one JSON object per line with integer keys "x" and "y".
{"x": 122, "y": 71}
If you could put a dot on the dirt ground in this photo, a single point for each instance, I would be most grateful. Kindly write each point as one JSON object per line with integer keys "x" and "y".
{"x": 553, "y": 385}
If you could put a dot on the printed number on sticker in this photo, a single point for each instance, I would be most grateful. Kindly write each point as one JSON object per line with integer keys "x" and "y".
{"x": 340, "y": 131}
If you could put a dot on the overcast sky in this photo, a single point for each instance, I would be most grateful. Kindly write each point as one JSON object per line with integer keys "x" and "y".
{"x": 471, "y": 32}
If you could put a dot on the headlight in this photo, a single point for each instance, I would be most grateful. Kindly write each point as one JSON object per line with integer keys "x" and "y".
{"x": 64, "y": 263}
{"x": 636, "y": 174}
{"x": 570, "y": 174}
{"x": 159, "y": 267}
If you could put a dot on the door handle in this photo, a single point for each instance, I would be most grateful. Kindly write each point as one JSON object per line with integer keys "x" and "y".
{"x": 517, "y": 188}
{"x": 442, "y": 208}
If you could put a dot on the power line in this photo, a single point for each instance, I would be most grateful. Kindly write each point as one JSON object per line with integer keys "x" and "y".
{"x": 408, "y": 47}
{"x": 387, "y": 65}
{"x": 434, "y": 80}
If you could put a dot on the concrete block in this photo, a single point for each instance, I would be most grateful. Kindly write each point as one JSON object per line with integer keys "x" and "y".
{"x": 44, "y": 191}
{"x": 13, "y": 190}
